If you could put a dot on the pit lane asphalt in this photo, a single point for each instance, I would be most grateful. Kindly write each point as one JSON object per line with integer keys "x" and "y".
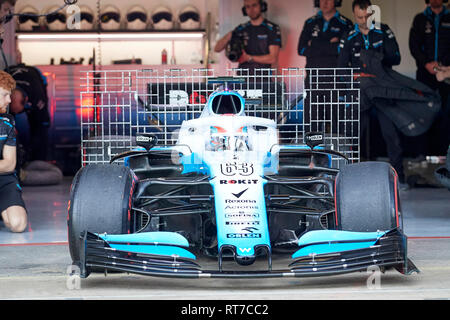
{"x": 39, "y": 272}
{"x": 30, "y": 270}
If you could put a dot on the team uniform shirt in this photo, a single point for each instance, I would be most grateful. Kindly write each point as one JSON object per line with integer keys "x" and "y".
{"x": 429, "y": 40}
{"x": 7, "y": 132}
{"x": 314, "y": 42}
{"x": 257, "y": 40}
{"x": 380, "y": 39}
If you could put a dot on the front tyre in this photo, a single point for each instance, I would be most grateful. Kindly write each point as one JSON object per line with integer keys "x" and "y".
{"x": 101, "y": 198}
{"x": 367, "y": 198}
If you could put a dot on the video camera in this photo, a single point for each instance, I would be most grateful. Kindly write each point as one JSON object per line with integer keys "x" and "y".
{"x": 234, "y": 48}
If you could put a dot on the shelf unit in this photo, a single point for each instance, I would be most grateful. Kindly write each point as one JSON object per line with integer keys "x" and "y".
{"x": 186, "y": 46}
{"x": 38, "y": 47}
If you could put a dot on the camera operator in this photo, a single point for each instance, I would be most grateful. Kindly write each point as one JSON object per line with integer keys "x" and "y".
{"x": 255, "y": 44}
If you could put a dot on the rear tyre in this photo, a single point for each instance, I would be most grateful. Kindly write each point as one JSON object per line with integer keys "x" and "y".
{"x": 100, "y": 201}
{"x": 367, "y": 197}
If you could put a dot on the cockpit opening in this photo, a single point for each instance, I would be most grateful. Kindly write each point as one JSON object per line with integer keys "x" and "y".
{"x": 226, "y": 104}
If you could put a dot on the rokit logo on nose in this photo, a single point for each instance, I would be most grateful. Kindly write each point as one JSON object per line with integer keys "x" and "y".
{"x": 240, "y": 181}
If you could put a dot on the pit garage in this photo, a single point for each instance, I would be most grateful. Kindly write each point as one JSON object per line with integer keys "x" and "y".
{"x": 193, "y": 179}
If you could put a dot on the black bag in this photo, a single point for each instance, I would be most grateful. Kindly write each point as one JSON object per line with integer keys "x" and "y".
{"x": 410, "y": 104}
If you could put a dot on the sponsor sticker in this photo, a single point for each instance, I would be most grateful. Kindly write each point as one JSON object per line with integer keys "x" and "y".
{"x": 240, "y": 181}
{"x": 243, "y": 235}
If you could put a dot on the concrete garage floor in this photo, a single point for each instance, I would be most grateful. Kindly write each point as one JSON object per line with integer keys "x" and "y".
{"x": 34, "y": 265}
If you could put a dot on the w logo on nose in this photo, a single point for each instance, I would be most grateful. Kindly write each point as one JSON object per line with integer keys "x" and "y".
{"x": 245, "y": 250}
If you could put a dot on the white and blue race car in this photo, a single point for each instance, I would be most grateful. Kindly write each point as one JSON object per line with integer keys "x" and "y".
{"x": 228, "y": 190}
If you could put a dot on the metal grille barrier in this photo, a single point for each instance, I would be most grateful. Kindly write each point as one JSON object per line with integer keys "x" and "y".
{"x": 116, "y": 105}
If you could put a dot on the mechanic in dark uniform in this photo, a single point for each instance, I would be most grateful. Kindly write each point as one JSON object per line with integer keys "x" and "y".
{"x": 261, "y": 38}
{"x": 318, "y": 42}
{"x": 31, "y": 95}
{"x": 321, "y": 34}
{"x": 367, "y": 36}
{"x": 12, "y": 206}
{"x": 429, "y": 43}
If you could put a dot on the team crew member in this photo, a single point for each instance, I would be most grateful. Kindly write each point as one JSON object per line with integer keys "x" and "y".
{"x": 261, "y": 38}
{"x": 429, "y": 43}
{"x": 380, "y": 39}
{"x": 320, "y": 36}
{"x": 319, "y": 42}
{"x": 6, "y": 8}
{"x": 31, "y": 95}
{"x": 12, "y": 207}
{"x": 443, "y": 74}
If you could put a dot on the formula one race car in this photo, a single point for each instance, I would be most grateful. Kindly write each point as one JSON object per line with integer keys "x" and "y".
{"x": 228, "y": 190}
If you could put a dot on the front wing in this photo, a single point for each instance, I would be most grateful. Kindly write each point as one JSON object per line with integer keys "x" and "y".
{"x": 317, "y": 258}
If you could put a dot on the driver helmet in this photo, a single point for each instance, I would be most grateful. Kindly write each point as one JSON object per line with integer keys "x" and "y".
{"x": 86, "y": 18}
{"x": 162, "y": 18}
{"x": 189, "y": 18}
{"x": 137, "y": 18}
{"x": 55, "y": 20}
{"x": 110, "y": 18}
{"x": 28, "y": 19}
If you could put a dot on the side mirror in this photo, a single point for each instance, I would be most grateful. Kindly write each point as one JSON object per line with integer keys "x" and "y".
{"x": 146, "y": 140}
{"x": 313, "y": 139}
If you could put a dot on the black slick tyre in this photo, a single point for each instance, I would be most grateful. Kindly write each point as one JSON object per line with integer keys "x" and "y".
{"x": 366, "y": 198}
{"x": 100, "y": 201}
